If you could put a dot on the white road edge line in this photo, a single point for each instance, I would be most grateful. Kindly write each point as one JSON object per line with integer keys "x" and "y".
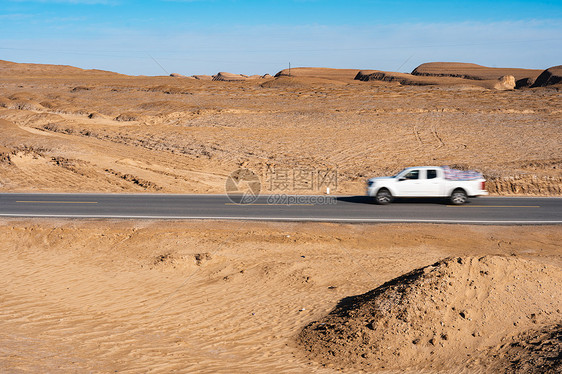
{"x": 140, "y": 194}
{"x": 294, "y": 219}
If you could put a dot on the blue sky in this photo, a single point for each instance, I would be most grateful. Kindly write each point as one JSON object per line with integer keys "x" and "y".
{"x": 257, "y": 37}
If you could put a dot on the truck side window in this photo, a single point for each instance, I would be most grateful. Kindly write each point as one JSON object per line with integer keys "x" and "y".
{"x": 414, "y": 174}
{"x": 431, "y": 174}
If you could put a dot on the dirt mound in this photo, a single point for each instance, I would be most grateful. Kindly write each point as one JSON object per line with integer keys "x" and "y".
{"x": 471, "y": 71}
{"x": 549, "y": 77}
{"x": 203, "y": 77}
{"x": 439, "y": 315}
{"x": 229, "y": 77}
{"x": 322, "y": 73}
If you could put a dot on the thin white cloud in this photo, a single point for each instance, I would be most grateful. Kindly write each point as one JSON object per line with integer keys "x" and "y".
{"x": 15, "y": 16}
{"x": 77, "y": 2}
{"x": 188, "y": 1}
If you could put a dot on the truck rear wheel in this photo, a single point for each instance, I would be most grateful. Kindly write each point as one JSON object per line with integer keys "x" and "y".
{"x": 459, "y": 197}
{"x": 383, "y": 197}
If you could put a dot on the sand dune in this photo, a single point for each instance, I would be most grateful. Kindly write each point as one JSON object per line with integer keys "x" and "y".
{"x": 437, "y": 316}
{"x": 472, "y": 71}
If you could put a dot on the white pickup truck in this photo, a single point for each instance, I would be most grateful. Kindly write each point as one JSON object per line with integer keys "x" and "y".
{"x": 428, "y": 181}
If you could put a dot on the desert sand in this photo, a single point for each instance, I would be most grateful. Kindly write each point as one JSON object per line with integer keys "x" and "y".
{"x": 238, "y": 297}
{"x": 68, "y": 129}
{"x": 233, "y": 297}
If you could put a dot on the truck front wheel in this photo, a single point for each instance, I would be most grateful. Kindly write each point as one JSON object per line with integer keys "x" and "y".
{"x": 383, "y": 197}
{"x": 459, "y": 197}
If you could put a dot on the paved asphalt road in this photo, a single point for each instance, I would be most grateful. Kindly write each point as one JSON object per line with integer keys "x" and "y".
{"x": 483, "y": 210}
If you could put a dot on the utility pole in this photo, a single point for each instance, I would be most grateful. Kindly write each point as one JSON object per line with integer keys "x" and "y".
{"x": 289, "y": 69}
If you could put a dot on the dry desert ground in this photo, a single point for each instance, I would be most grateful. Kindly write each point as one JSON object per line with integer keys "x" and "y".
{"x": 67, "y": 129}
{"x": 238, "y": 297}
{"x": 233, "y": 297}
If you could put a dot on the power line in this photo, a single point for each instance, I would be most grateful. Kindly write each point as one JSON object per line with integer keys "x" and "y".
{"x": 404, "y": 63}
{"x": 153, "y": 59}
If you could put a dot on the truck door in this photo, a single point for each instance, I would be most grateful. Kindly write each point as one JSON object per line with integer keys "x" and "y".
{"x": 433, "y": 184}
{"x": 409, "y": 184}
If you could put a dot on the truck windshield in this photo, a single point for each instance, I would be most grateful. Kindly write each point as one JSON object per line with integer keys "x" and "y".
{"x": 397, "y": 174}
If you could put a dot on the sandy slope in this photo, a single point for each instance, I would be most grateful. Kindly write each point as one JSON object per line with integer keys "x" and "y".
{"x": 104, "y": 296}
{"x": 440, "y": 316}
